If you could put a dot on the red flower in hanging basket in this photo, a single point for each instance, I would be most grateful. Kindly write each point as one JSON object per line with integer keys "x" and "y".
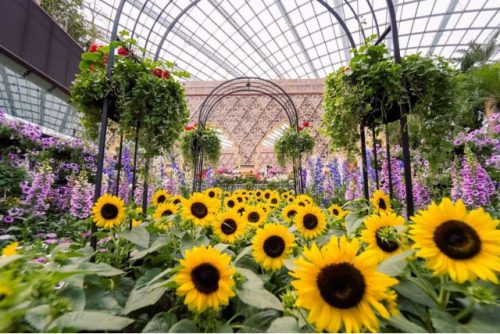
{"x": 122, "y": 52}
{"x": 305, "y": 124}
{"x": 165, "y": 75}
{"x": 159, "y": 73}
{"x": 94, "y": 47}
{"x": 190, "y": 126}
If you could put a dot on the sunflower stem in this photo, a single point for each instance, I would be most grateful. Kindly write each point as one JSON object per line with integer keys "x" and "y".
{"x": 305, "y": 320}
{"x": 466, "y": 311}
{"x": 444, "y": 294}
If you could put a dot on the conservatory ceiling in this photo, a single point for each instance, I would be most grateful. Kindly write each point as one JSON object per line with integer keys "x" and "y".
{"x": 291, "y": 39}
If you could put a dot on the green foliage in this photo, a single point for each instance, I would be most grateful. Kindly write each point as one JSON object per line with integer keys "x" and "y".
{"x": 209, "y": 145}
{"x": 487, "y": 80}
{"x": 140, "y": 92}
{"x": 69, "y": 14}
{"x": 374, "y": 87}
{"x": 292, "y": 144}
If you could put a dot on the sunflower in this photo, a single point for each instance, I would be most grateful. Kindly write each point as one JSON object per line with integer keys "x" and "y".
{"x": 289, "y": 212}
{"x": 137, "y": 222}
{"x": 337, "y": 212}
{"x": 177, "y": 199}
{"x": 272, "y": 245}
{"x": 108, "y": 211}
{"x": 373, "y": 235}
{"x": 466, "y": 245}
{"x": 273, "y": 201}
{"x": 310, "y": 221}
{"x": 213, "y": 192}
{"x": 381, "y": 202}
{"x": 266, "y": 195}
{"x": 258, "y": 193}
{"x": 200, "y": 208}
{"x": 205, "y": 279}
{"x": 340, "y": 288}
{"x": 230, "y": 202}
{"x": 255, "y": 215}
{"x": 164, "y": 210}
{"x": 304, "y": 200}
{"x": 160, "y": 197}
{"x": 240, "y": 209}
{"x": 10, "y": 249}
{"x": 229, "y": 226}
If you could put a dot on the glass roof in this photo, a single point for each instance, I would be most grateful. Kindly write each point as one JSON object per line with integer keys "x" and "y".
{"x": 24, "y": 99}
{"x": 278, "y": 39}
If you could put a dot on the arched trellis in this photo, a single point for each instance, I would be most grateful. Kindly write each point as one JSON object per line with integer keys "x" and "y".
{"x": 245, "y": 85}
{"x": 345, "y": 29}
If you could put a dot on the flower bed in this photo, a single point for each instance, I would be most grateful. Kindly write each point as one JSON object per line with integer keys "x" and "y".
{"x": 259, "y": 261}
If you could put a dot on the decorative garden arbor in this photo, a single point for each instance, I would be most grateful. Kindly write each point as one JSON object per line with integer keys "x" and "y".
{"x": 242, "y": 85}
{"x": 392, "y": 28}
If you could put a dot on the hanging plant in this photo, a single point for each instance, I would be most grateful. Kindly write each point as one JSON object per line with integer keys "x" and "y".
{"x": 140, "y": 92}
{"x": 292, "y": 144}
{"x": 208, "y": 141}
{"x": 373, "y": 88}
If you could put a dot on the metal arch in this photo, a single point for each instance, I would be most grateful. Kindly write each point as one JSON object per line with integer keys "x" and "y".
{"x": 203, "y": 121}
{"x": 405, "y": 141}
{"x": 104, "y": 124}
{"x": 277, "y": 90}
{"x": 357, "y": 18}
{"x": 234, "y": 84}
{"x": 297, "y": 37}
{"x": 374, "y": 17}
{"x": 138, "y": 17}
{"x": 195, "y": 2}
{"x": 154, "y": 23}
{"x": 177, "y": 18}
{"x": 239, "y": 85}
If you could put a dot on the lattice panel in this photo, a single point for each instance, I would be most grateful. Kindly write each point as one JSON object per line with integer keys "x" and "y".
{"x": 248, "y": 119}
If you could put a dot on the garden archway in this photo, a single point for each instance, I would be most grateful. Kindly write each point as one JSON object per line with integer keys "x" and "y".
{"x": 245, "y": 85}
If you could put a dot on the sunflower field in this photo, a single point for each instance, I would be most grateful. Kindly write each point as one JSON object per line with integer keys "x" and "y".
{"x": 258, "y": 261}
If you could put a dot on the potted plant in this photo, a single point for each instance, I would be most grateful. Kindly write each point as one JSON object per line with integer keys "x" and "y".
{"x": 208, "y": 143}
{"x": 373, "y": 88}
{"x": 141, "y": 93}
{"x": 292, "y": 144}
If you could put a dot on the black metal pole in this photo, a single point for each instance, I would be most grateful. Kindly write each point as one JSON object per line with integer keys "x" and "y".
{"x": 100, "y": 164}
{"x": 104, "y": 126}
{"x": 375, "y": 157}
{"x": 389, "y": 162}
{"x": 120, "y": 151}
{"x": 294, "y": 166}
{"x": 134, "y": 167}
{"x": 405, "y": 141}
{"x": 145, "y": 188}
{"x": 364, "y": 168}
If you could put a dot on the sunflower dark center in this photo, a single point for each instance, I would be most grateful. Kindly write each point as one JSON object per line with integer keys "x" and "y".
{"x": 274, "y": 201}
{"x": 301, "y": 204}
{"x": 341, "y": 285}
{"x": 166, "y": 213}
{"x": 228, "y": 226}
{"x": 335, "y": 212}
{"x": 386, "y": 245}
{"x": 274, "y": 246}
{"x": 231, "y": 203}
{"x": 177, "y": 201}
{"x": 205, "y": 278}
{"x": 457, "y": 240}
{"x": 267, "y": 195}
{"x": 109, "y": 211}
{"x": 253, "y": 217}
{"x": 211, "y": 194}
{"x": 291, "y": 213}
{"x": 239, "y": 199}
{"x": 381, "y": 204}
{"x": 199, "y": 210}
{"x": 161, "y": 198}
{"x": 310, "y": 221}
{"x": 241, "y": 210}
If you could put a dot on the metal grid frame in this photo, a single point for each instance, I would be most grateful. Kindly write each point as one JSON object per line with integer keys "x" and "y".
{"x": 276, "y": 39}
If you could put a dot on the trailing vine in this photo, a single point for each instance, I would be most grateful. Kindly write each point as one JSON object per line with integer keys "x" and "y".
{"x": 292, "y": 144}
{"x": 208, "y": 141}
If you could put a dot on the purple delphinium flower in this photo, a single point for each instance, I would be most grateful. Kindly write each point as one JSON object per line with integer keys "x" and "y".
{"x": 477, "y": 186}
{"x": 37, "y": 196}
{"x": 81, "y": 197}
